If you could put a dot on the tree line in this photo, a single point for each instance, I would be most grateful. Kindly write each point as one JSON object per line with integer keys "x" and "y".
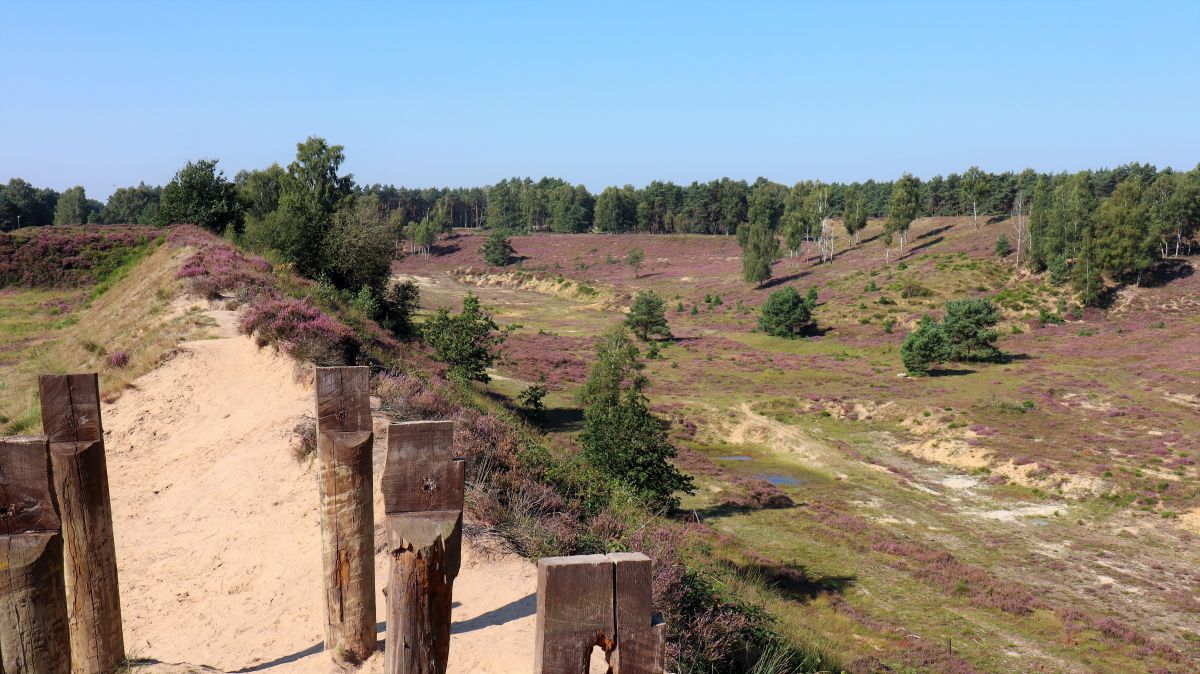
{"x": 1081, "y": 227}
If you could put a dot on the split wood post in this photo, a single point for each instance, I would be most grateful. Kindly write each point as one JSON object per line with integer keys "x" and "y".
{"x": 641, "y": 634}
{"x": 344, "y": 446}
{"x": 574, "y": 613}
{"x": 71, "y": 421}
{"x": 597, "y": 600}
{"x": 34, "y": 633}
{"x": 422, "y": 487}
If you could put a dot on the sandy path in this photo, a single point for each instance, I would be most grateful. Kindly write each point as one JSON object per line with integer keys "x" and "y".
{"x": 216, "y": 528}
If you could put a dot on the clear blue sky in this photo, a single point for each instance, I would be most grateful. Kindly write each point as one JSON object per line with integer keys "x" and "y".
{"x": 442, "y": 93}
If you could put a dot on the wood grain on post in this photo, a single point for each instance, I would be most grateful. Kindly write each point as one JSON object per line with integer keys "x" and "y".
{"x": 641, "y": 635}
{"x": 574, "y": 612}
{"x": 34, "y": 633}
{"x": 423, "y": 486}
{"x": 71, "y": 420}
{"x": 344, "y": 444}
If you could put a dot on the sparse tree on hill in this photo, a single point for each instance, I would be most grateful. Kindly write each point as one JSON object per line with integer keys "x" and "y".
{"x": 786, "y": 314}
{"x": 970, "y": 329}
{"x": 924, "y": 347}
{"x": 1020, "y": 224}
{"x": 634, "y": 259}
{"x": 760, "y": 252}
{"x": 468, "y": 342}
{"x": 621, "y": 437}
{"x": 972, "y": 184}
{"x": 647, "y": 316}
{"x": 1003, "y": 247}
{"x": 904, "y": 207}
{"x": 1125, "y": 245}
{"x": 854, "y": 216}
{"x": 498, "y": 250}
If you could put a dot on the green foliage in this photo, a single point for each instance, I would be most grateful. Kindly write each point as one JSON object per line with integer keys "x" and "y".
{"x": 468, "y": 342}
{"x": 531, "y": 398}
{"x": 970, "y": 328}
{"x": 132, "y": 205}
{"x": 924, "y": 347}
{"x": 620, "y": 436}
{"x": 365, "y": 301}
{"x": 634, "y": 259}
{"x": 904, "y": 207}
{"x": 786, "y": 314}
{"x": 1003, "y": 247}
{"x": 199, "y": 194}
{"x": 396, "y": 308}
{"x": 358, "y": 249}
{"x": 647, "y": 316}
{"x": 497, "y": 249}
{"x": 73, "y": 207}
{"x": 760, "y": 251}
{"x": 615, "y": 369}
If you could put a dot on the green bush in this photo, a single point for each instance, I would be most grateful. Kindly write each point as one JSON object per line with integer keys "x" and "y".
{"x": 786, "y": 314}
{"x": 970, "y": 327}
{"x": 924, "y": 347}
{"x": 468, "y": 342}
{"x": 647, "y": 316}
{"x": 498, "y": 250}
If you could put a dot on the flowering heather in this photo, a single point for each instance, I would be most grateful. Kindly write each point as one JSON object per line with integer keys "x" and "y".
{"x": 59, "y": 257}
{"x": 218, "y": 269}
{"x": 118, "y": 358}
{"x": 301, "y": 329}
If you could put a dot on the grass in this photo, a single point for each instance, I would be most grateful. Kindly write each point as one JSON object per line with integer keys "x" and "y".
{"x": 46, "y": 340}
{"x": 1060, "y": 405}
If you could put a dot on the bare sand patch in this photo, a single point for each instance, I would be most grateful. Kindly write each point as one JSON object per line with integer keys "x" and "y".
{"x": 217, "y": 527}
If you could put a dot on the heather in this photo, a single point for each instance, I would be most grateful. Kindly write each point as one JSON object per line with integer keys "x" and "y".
{"x": 67, "y": 257}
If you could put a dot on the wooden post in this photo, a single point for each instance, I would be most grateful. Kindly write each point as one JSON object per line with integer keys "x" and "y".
{"x": 71, "y": 420}
{"x": 597, "y": 600}
{"x": 574, "y": 613}
{"x": 422, "y": 487}
{"x": 641, "y": 634}
{"x": 34, "y": 633}
{"x": 344, "y": 446}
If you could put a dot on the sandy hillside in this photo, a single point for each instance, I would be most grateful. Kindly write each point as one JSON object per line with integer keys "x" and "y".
{"x": 216, "y": 527}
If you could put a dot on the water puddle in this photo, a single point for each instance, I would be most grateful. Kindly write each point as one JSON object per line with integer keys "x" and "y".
{"x": 735, "y": 457}
{"x": 778, "y": 480}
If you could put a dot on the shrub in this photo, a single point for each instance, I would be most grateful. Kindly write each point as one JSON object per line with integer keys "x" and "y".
{"x": 647, "y": 316}
{"x": 497, "y": 249}
{"x": 786, "y": 314}
{"x": 468, "y": 342}
{"x": 970, "y": 328}
{"x": 924, "y": 347}
{"x": 910, "y": 288}
{"x": 396, "y": 308}
{"x": 357, "y": 250}
{"x": 1003, "y": 247}
{"x": 531, "y": 397}
{"x": 301, "y": 330}
{"x": 118, "y": 359}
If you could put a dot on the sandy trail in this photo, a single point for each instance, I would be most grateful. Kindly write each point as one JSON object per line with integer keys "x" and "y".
{"x": 217, "y": 529}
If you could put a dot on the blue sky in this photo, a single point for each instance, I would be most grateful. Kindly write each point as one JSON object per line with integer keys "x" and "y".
{"x": 105, "y": 94}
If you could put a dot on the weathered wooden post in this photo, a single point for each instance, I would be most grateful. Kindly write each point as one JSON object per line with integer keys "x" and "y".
{"x": 597, "y": 600}
{"x": 641, "y": 634}
{"x": 71, "y": 421}
{"x": 422, "y": 489}
{"x": 34, "y": 636}
{"x": 574, "y": 613}
{"x": 344, "y": 444}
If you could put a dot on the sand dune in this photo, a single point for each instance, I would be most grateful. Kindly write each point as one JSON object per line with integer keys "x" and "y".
{"x": 216, "y": 527}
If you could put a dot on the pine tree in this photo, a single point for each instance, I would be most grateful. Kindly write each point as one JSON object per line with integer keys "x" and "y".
{"x": 497, "y": 249}
{"x": 647, "y": 316}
